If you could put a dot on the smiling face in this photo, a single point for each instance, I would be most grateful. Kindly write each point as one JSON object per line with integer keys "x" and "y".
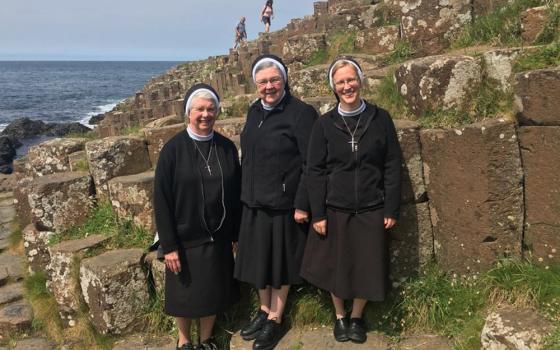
{"x": 347, "y": 87}
{"x": 270, "y": 85}
{"x": 202, "y": 116}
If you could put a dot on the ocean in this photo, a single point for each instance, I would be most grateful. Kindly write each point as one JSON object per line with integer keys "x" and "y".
{"x": 69, "y": 91}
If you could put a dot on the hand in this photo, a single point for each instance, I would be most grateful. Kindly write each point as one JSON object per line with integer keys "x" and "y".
{"x": 389, "y": 222}
{"x": 172, "y": 262}
{"x": 320, "y": 227}
{"x": 301, "y": 216}
{"x": 234, "y": 247}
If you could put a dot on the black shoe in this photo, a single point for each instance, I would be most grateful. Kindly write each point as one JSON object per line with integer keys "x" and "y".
{"x": 186, "y": 346}
{"x": 341, "y": 328}
{"x": 250, "y": 331}
{"x": 269, "y": 336}
{"x": 208, "y": 344}
{"x": 357, "y": 330}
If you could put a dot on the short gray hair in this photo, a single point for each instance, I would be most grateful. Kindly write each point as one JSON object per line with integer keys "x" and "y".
{"x": 203, "y": 94}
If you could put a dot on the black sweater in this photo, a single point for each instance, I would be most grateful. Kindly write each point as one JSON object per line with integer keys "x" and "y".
{"x": 178, "y": 201}
{"x": 354, "y": 181}
{"x": 274, "y": 150}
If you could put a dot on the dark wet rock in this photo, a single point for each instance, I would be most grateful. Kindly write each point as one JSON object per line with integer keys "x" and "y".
{"x": 62, "y": 129}
{"x": 24, "y": 128}
{"x": 96, "y": 119}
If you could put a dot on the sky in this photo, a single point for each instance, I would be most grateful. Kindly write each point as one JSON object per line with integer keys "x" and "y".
{"x": 167, "y": 30}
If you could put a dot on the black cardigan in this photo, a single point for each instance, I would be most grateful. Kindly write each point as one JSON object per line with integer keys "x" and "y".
{"x": 354, "y": 182}
{"x": 274, "y": 151}
{"x": 178, "y": 201}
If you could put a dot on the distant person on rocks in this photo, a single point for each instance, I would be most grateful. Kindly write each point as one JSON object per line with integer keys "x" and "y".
{"x": 274, "y": 221}
{"x": 267, "y": 14}
{"x": 196, "y": 202}
{"x": 240, "y": 33}
{"x": 353, "y": 179}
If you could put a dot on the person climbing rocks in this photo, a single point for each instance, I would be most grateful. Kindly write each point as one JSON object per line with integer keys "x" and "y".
{"x": 240, "y": 33}
{"x": 267, "y": 14}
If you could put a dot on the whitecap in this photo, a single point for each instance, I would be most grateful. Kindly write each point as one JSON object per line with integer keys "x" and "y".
{"x": 98, "y": 110}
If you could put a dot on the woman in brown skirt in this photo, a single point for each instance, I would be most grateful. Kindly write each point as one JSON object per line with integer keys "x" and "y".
{"x": 353, "y": 179}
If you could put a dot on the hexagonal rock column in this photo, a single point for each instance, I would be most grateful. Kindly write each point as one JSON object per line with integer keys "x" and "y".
{"x": 115, "y": 156}
{"x": 132, "y": 196}
{"x": 412, "y": 239}
{"x": 230, "y": 127}
{"x": 536, "y": 97}
{"x": 52, "y": 156}
{"x": 36, "y": 243}
{"x": 377, "y": 39}
{"x": 157, "y": 137}
{"x": 64, "y": 259}
{"x": 301, "y": 48}
{"x": 474, "y": 180}
{"x": 438, "y": 82}
{"x": 429, "y": 24}
{"x": 60, "y": 201}
{"x": 14, "y": 317}
{"x": 498, "y": 65}
{"x": 533, "y": 21}
{"x": 540, "y": 152}
{"x": 115, "y": 288}
{"x": 21, "y": 192}
{"x": 514, "y": 329}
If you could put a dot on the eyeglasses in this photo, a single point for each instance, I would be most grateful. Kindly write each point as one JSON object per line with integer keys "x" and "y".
{"x": 272, "y": 81}
{"x": 349, "y": 81}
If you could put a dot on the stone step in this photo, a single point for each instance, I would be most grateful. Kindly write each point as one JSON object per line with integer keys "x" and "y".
{"x": 5, "y": 233}
{"x": 11, "y": 292}
{"x": 11, "y": 267}
{"x": 7, "y": 214}
{"x": 34, "y": 344}
{"x": 14, "y": 317}
{"x": 141, "y": 342}
{"x": 316, "y": 339}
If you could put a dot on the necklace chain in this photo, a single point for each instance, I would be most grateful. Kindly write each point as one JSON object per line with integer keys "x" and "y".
{"x": 352, "y": 142}
{"x": 207, "y": 160}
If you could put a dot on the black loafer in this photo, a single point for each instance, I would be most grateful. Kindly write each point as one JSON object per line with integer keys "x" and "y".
{"x": 250, "y": 331}
{"x": 186, "y": 346}
{"x": 269, "y": 336}
{"x": 357, "y": 330}
{"x": 208, "y": 344}
{"x": 341, "y": 329}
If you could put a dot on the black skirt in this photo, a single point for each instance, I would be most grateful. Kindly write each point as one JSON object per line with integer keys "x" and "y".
{"x": 352, "y": 260}
{"x": 205, "y": 285}
{"x": 271, "y": 247}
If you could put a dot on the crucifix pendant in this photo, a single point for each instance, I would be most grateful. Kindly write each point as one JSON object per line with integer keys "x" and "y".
{"x": 353, "y": 145}
{"x": 209, "y": 169}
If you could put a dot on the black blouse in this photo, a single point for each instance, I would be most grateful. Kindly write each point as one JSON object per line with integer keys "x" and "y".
{"x": 188, "y": 199}
{"x": 348, "y": 181}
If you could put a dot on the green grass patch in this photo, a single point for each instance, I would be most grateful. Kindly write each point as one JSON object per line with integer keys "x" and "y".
{"x": 544, "y": 57}
{"x": 135, "y": 130}
{"x": 388, "y": 96}
{"x": 338, "y": 43}
{"x": 403, "y": 51}
{"x": 552, "y": 341}
{"x": 46, "y": 318}
{"x": 82, "y": 165}
{"x": 318, "y": 57}
{"x": 499, "y": 27}
{"x": 103, "y": 220}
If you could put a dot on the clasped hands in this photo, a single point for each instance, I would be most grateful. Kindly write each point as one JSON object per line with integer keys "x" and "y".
{"x": 321, "y": 226}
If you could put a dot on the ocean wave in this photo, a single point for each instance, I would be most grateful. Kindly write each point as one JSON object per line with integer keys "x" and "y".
{"x": 3, "y": 126}
{"x": 98, "y": 110}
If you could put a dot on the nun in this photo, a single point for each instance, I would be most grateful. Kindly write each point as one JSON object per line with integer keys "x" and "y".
{"x": 196, "y": 202}
{"x": 354, "y": 169}
{"x": 274, "y": 221}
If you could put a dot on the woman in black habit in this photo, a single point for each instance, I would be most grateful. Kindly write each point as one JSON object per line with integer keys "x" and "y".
{"x": 353, "y": 179}
{"x": 196, "y": 200}
{"x": 275, "y": 204}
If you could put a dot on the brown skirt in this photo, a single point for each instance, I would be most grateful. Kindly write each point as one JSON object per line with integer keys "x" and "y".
{"x": 352, "y": 260}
